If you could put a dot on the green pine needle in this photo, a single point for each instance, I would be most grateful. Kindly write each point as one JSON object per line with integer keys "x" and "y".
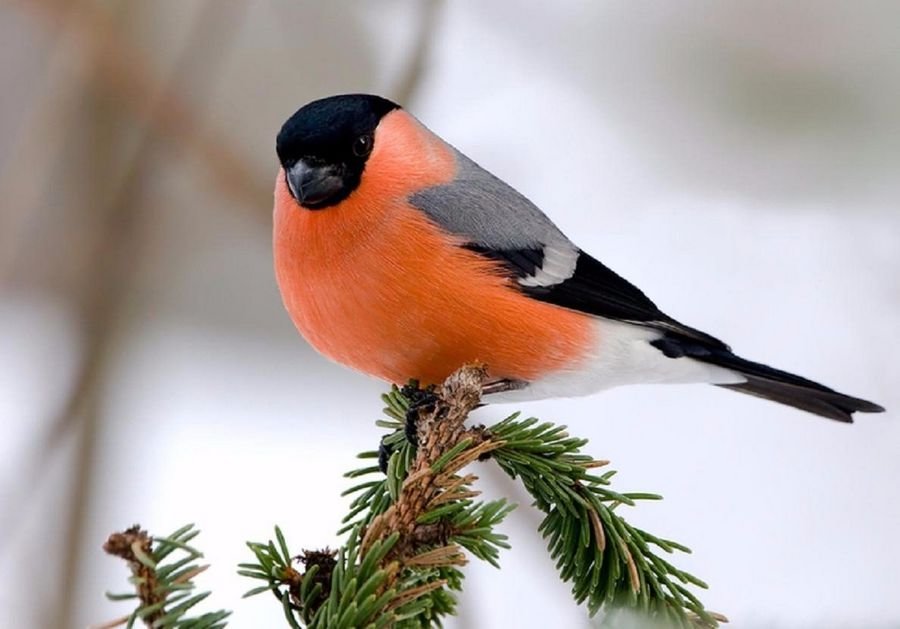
{"x": 164, "y": 590}
{"x": 411, "y": 582}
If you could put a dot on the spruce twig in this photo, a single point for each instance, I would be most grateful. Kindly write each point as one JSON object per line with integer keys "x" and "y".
{"x": 412, "y": 527}
{"x": 163, "y": 590}
{"x": 408, "y": 529}
{"x": 610, "y": 562}
{"x": 402, "y": 559}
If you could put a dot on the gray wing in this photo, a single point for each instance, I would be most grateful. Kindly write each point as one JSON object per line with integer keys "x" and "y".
{"x": 501, "y": 223}
{"x": 481, "y": 206}
{"x": 498, "y": 222}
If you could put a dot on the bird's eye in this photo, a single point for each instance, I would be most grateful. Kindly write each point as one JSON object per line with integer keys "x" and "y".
{"x": 362, "y": 145}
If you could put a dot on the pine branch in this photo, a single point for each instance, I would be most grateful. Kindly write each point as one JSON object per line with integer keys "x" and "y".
{"x": 164, "y": 591}
{"x": 413, "y": 526}
{"x": 610, "y": 562}
{"x": 402, "y": 559}
{"x": 408, "y": 528}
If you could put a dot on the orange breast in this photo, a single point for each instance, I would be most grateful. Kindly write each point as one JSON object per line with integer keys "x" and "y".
{"x": 375, "y": 285}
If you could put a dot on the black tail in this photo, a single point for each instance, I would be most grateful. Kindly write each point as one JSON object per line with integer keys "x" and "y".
{"x": 772, "y": 384}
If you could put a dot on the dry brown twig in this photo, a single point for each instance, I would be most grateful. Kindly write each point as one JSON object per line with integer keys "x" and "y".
{"x": 125, "y": 71}
{"x": 112, "y": 253}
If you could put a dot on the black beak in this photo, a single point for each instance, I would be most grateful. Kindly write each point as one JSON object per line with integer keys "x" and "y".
{"x": 313, "y": 186}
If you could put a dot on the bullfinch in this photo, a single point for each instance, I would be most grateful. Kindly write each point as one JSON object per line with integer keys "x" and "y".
{"x": 402, "y": 258}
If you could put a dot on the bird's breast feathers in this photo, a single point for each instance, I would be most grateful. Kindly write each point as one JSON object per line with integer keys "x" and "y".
{"x": 376, "y": 284}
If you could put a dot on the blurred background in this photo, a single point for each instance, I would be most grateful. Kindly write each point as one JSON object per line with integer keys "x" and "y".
{"x": 738, "y": 161}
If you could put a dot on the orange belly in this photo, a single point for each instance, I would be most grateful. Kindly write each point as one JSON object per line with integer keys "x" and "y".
{"x": 395, "y": 300}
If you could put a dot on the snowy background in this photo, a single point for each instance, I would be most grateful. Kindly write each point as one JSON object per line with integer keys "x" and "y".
{"x": 738, "y": 161}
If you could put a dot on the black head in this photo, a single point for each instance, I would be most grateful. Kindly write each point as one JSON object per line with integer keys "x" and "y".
{"x": 323, "y": 147}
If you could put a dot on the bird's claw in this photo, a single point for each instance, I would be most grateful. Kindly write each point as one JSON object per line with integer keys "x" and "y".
{"x": 502, "y": 386}
{"x": 418, "y": 399}
{"x": 385, "y": 450}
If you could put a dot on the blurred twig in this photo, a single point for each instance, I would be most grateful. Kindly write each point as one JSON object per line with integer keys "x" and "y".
{"x": 109, "y": 264}
{"x": 410, "y": 80}
{"x": 120, "y": 68}
{"x": 92, "y": 56}
{"x": 116, "y": 250}
{"x": 23, "y": 183}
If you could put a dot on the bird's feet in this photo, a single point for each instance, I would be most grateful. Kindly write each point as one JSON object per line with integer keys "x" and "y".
{"x": 426, "y": 398}
{"x": 502, "y": 386}
{"x": 385, "y": 451}
{"x": 419, "y": 399}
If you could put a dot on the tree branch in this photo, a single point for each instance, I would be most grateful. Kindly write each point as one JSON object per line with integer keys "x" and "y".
{"x": 422, "y": 515}
{"x": 163, "y": 591}
{"x": 412, "y": 529}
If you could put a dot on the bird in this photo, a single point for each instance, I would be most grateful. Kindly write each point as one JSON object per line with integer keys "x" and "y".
{"x": 398, "y": 256}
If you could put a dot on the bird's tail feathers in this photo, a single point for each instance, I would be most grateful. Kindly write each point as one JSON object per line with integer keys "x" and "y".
{"x": 764, "y": 381}
{"x": 786, "y": 388}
